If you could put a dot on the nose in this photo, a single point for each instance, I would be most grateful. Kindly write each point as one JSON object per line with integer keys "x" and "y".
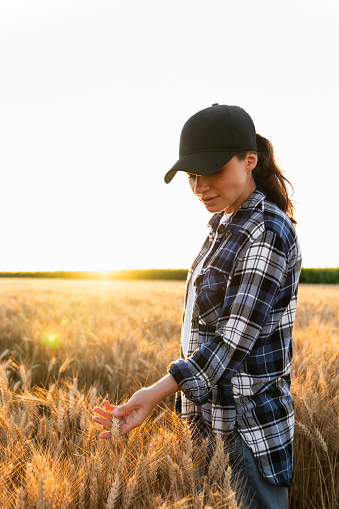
{"x": 201, "y": 184}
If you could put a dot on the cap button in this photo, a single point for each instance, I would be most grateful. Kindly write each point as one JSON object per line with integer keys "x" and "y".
{"x": 215, "y": 104}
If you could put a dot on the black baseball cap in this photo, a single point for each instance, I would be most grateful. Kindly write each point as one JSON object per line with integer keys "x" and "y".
{"x": 211, "y": 137}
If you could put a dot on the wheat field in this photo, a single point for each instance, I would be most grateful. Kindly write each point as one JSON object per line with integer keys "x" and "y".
{"x": 66, "y": 345}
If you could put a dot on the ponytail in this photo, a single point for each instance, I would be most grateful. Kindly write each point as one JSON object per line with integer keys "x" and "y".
{"x": 269, "y": 177}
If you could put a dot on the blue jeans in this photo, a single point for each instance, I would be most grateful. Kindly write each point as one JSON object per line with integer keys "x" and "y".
{"x": 253, "y": 491}
{"x": 251, "y": 488}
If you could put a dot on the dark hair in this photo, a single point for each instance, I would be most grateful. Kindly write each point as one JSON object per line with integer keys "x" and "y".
{"x": 270, "y": 178}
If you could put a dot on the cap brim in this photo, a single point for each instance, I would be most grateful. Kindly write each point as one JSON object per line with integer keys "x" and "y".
{"x": 201, "y": 163}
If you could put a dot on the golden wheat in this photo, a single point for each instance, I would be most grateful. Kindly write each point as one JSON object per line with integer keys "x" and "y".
{"x": 67, "y": 345}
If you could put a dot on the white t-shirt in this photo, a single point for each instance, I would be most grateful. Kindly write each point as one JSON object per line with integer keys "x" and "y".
{"x": 186, "y": 329}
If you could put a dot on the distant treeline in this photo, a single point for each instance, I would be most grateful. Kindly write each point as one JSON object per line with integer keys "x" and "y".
{"x": 320, "y": 276}
{"x": 178, "y": 274}
{"x": 314, "y": 276}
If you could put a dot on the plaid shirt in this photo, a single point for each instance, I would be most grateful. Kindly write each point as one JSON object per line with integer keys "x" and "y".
{"x": 237, "y": 370}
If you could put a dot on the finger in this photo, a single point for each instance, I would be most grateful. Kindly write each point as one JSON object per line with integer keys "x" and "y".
{"x": 123, "y": 410}
{"x": 102, "y": 412}
{"x": 104, "y": 422}
{"x": 108, "y": 405}
{"x": 105, "y": 434}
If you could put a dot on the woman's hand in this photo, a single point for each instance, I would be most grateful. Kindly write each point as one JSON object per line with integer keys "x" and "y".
{"x": 134, "y": 412}
{"x": 107, "y": 418}
{"x": 131, "y": 414}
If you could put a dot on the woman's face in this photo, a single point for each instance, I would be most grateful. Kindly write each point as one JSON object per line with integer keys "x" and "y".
{"x": 229, "y": 188}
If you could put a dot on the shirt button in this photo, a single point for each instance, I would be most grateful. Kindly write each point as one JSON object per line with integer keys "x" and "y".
{"x": 221, "y": 228}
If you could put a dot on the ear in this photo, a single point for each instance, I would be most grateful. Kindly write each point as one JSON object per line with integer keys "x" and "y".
{"x": 251, "y": 160}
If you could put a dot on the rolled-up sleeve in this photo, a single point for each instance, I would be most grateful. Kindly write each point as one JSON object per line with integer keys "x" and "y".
{"x": 250, "y": 295}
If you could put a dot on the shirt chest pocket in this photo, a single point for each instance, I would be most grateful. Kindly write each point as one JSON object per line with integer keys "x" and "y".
{"x": 210, "y": 294}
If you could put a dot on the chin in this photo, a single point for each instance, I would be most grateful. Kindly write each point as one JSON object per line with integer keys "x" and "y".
{"x": 214, "y": 210}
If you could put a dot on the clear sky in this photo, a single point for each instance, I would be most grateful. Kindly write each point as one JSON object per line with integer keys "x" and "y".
{"x": 93, "y": 96}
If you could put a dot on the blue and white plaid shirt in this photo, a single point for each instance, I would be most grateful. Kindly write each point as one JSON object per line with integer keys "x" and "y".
{"x": 237, "y": 370}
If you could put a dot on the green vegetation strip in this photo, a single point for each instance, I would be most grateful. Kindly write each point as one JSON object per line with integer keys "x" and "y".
{"x": 314, "y": 276}
{"x": 320, "y": 276}
{"x": 175, "y": 274}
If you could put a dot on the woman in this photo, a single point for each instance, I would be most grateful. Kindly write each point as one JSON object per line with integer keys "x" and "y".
{"x": 234, "y": 374}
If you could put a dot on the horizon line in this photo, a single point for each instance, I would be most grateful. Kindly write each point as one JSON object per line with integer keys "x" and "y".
{"x": 110, "y": 271}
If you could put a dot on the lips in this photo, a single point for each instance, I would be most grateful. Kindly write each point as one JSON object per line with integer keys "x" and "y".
{"x": 208, "y": 200}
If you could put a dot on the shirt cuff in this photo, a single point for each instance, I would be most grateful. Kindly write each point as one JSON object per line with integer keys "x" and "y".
{"x": 191, "y": 385}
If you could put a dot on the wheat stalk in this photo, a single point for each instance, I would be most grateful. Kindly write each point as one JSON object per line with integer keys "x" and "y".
{"x": 187, "y": 439}
{"x": 20, "y": 501}
{"x": 188, "y": 471}
{"x": 82, "y": 496}
{"x": 113, "y": 494}
{"x": 64, "y": 366}
{"x": 320, "y": 439}
{"x": 115, "y": 429}
{"x": 218, "y": 460}
{"x": 61, "y": 423}
{"x": 129, "y": 493}
{"x": 66, "y": 497}
{"x": 94, "y": 492}
{"x": 40, "y": 499}
{"x": 25, "y": 378}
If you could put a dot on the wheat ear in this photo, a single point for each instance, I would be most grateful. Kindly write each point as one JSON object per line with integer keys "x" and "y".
{"x": 113, "y": 494}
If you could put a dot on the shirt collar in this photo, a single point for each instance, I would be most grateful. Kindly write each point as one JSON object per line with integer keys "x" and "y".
{"x": 243, "y": 211}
